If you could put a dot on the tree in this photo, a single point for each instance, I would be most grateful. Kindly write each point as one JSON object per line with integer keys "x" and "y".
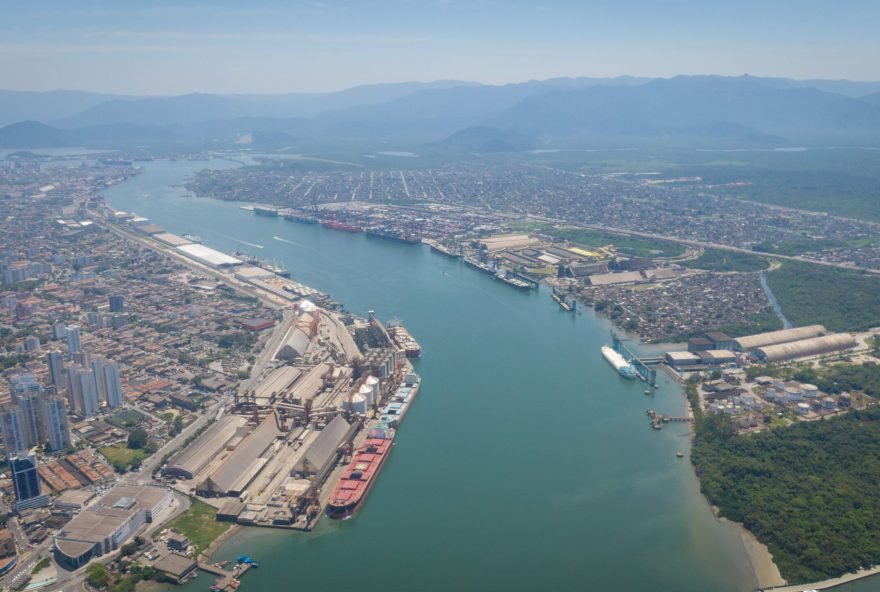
{"x": 137, "y": 439}
{"x": 97, "y": 575}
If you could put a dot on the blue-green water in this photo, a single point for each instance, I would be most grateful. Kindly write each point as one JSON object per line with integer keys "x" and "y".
{"x": 526, "y": 462}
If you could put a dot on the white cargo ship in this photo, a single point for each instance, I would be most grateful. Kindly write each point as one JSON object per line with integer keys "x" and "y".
{"x": 620, "y": 364}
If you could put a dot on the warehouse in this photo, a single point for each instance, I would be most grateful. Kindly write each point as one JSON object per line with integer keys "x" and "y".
{"x": 247, "y": 273}
{"x": 208, "y": 256}
{"x": 805, "y": 347}
{"x": 295, "y": 345}
{"x": 750, "y": 342}
{"x": 276, "y": 383}
{"x": 322, "y": 453}
{"x": 626, "y": 277}
{"x": 172, "y": 239}
{"x": 238, "y": 469}
{"x": 677, "y": 359}
{"x": 195, "y": 457}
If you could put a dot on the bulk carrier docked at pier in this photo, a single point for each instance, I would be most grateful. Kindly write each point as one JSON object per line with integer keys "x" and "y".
{"x": 361, "y": 473}
{"x": 620, "y": 364}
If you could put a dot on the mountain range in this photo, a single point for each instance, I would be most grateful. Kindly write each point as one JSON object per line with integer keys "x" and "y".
{"x": 455, "y": 115}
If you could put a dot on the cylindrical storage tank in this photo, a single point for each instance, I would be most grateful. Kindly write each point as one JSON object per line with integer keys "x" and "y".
{"x": 845, "y": 400}
{"x": 828, "y": 403}
{"x": 367, "y": 393}
{"x": 802, "y": 408}
{"x": 810, "y": 390}
{"x": 358, "y": 404}
{"x": 373, "y": 383}
{"x": 792, "y": 394}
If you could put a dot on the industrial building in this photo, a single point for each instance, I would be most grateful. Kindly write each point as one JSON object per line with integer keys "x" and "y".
{"x": 208, "y": 256}
{"x": 805, "y": 347}
{"x": 296, "y": 342}
{"x": 626, "y": 277}
{"x": 321, "y": 455}
{"x": 238, "y": 469}
{"x": 172, "y": 239}
{"x": 106, "y": 526}
{"x": 276, "y": 383}
{"x": 195, "y": 457}
{"x": 751, "y": 342}
{"x": 176, "y": 567}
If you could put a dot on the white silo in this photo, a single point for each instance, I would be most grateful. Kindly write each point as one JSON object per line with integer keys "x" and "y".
{"x": 357, "y": 404}
{"x": 373, "y": 383}
{"x": 367, "y": 393}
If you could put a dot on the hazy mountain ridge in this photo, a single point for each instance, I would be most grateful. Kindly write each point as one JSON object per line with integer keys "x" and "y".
{"x": 558, "y": 112}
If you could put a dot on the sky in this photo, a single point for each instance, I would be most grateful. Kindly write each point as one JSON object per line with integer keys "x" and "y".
{"x": 173, "y": 47}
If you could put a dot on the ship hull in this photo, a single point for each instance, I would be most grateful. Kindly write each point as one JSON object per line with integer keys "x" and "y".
{"x": 338, "y": 512}
{"x": 617, "y": 362}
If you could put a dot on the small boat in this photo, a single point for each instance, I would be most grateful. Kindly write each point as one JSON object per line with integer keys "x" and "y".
{"x": 679, "y": 454}
{"x": 647, "y": 391}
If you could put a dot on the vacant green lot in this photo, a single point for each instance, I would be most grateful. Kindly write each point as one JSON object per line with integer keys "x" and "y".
{"x": 200, "y": 525}
{"x": 627, "y": 245}
{"x": 123, "y": 458}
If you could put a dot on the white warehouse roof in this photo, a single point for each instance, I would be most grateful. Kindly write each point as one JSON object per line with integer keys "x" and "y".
{"x": 806, "y": 347}
{"x": 750, "y": 342}
{"x": 207, "y": 255}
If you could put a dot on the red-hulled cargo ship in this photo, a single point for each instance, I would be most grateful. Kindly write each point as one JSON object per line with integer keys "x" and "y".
{"x": 360, "y": 474}
{"x": 341, "y": 226}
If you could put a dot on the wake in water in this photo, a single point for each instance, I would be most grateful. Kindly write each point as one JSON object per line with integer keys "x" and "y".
{"x": 284, "y": 240}
{"x": 244, "y": 242}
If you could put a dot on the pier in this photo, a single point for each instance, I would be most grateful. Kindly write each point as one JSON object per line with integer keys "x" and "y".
{"x": 226, "y": 580}
{"x": 647, "y": 374}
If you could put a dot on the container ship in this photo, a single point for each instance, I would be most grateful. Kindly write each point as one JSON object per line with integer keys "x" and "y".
{"x": 341, "y": 226}
{"x": 620, "y": 364}
{"x": 393, "y": 234}
{"x": 361, "y": 473}
{"x": 404, "y": 340}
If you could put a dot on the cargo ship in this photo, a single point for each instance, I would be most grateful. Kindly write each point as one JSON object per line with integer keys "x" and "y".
{"x": 477, "y": 264}
{"x": 299, "y": 217}
{"x": 361, "y": 473}
{"x": 442, "y": 249}
{"x": 400, "y": 402}
{"x": 565, "y": 302}
{"x": 275, "y": 268}
{"x": 393, "y": 234}
{"x": 619, "y": 363}
{"x": 513, "y": 281}
{"x": 404, "y": 340}
{"x": 341, "y": 226}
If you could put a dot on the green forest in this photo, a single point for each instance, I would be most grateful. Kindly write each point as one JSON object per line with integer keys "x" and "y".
{"x": 810, "y": 491}
{"x": 840, "y": 299}
{"x": 718, "y": 260}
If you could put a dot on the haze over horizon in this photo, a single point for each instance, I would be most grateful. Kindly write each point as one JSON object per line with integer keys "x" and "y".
{"x": 171, "y": 48}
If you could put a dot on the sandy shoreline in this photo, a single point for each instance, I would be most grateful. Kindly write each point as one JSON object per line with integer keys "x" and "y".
{"x": 766, "y": 573}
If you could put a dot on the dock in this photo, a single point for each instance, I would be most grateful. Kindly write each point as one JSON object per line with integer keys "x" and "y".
{"x": 226, "y": 579}
{"x": 647, "y": 374}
